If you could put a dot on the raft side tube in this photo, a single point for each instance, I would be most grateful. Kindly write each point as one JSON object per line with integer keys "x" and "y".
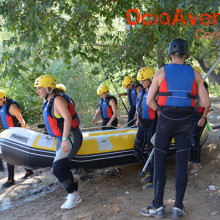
{"x": 100, "y": 149}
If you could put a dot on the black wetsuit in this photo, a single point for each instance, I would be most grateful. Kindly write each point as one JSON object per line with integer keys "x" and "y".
{"x": 195, "y": 151}
{"x": 179, "y": 126}
{"x": 61, "y": 163}
{"x": 145, "y": 132}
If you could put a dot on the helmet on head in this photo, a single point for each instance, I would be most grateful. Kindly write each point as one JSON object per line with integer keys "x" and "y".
{"x": 178, "y": 45}
{"x": 145, "y": 73}
{"x": 102, "y": 89}
{"x": 45, "y": 81}
{"x": 61, "y": 86}
{"x": 2, "y": 94}
{"x": 197, "y": 69}
{"x": 126, "y": 81}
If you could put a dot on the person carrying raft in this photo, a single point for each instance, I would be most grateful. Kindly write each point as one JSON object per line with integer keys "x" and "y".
{"x": 107, "y": 109}
{"x": 146, "y": 124}
{"x": 197, "y": 128}
{"x": 11, "y": 117}
{"x": 133, "y": 90}
{"x": 61, "y": 122}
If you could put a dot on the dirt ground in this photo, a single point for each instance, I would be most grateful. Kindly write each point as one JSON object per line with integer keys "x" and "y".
{"x": 115, "y": 193}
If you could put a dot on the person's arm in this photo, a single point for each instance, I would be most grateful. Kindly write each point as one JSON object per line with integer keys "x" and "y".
{"x": 122, "y": 94}
{"x": 138, "y": 89}
{"x": 202, "y": 120}
{"x": 95, "y": 116}
{"x": 204, "y": 100}
{"x": 153, "y": 91}
{"x": 61, "y": 108}
{"x": 156, "y": 100}
{"x": 137, "y": 123}
{"x": 114, "y": 109}
{"x": 15, "y": 111}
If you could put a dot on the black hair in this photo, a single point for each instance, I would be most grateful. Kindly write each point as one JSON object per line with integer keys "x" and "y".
{"x": 57, "y": 91}
{"x": 178, "y": 55}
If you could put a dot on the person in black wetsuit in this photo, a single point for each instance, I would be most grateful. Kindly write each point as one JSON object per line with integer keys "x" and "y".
{"x": 133, "y": 90}
{"x": 107, "y": 109}
{"x": 178, "y": 85}
{"x": 197, "y": 128}
{"x": 145, "y": 123}
{"x": 11, "y": 117}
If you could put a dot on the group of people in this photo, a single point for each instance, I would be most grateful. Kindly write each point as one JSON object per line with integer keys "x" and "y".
{"x": 164, "y": 103}
{"x": 61, "y": 121}
{"x": 172, "y": 103}
{"x": 175, "y": 90}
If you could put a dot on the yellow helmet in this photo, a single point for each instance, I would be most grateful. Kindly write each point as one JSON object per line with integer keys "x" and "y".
{"x": 61, "y": 86}
{"x": 2, "y": 94}
{"x": 102, "y": 89}
{"x": 45, "y": 81}
{"x": 145, "y": 73}
{"x": 126, "y": 81}
{"x": 197, "y": 69}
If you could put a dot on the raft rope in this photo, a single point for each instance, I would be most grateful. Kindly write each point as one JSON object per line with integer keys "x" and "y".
{"x": 123, "y": 128}
{"x": 111, "y": 126}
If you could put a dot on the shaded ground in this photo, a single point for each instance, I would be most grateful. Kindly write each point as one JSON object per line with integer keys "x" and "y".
{"x": 115, "y": 193}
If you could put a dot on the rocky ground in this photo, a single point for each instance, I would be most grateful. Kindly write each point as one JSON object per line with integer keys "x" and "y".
{"x": 116, "y": 193}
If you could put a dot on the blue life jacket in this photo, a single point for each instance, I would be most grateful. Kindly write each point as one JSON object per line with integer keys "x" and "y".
{"x": 105, "y": 109}
{"x": 55, "y": 125}
{"x": 7, "y": 119}
{"x": 132, "y": 95}
{"x": 142, "y": 109}
{"x": 178, "y": 90}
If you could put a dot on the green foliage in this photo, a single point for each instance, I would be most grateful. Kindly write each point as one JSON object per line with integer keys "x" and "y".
{"x": 214, "y": 89}
{"x": 84, "y": 43}
{"x": 41, "y": 31}
{"x": 81, "y": 86}
{"x": 26, "y": 96}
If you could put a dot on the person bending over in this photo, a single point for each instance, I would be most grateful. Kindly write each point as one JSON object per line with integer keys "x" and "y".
{"x": 62, "y": 123}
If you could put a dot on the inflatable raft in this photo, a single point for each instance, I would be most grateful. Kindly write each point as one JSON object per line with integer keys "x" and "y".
{"x": 24, "y": 147}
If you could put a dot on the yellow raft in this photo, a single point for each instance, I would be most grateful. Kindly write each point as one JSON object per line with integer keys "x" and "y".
{"x": 24, "y": 147}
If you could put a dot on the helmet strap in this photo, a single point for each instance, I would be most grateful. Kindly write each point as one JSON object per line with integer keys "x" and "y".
{"x": 49, "y": 91}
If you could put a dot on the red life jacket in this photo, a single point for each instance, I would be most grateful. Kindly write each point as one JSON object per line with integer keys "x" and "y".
{"x": 55, "y": 125}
